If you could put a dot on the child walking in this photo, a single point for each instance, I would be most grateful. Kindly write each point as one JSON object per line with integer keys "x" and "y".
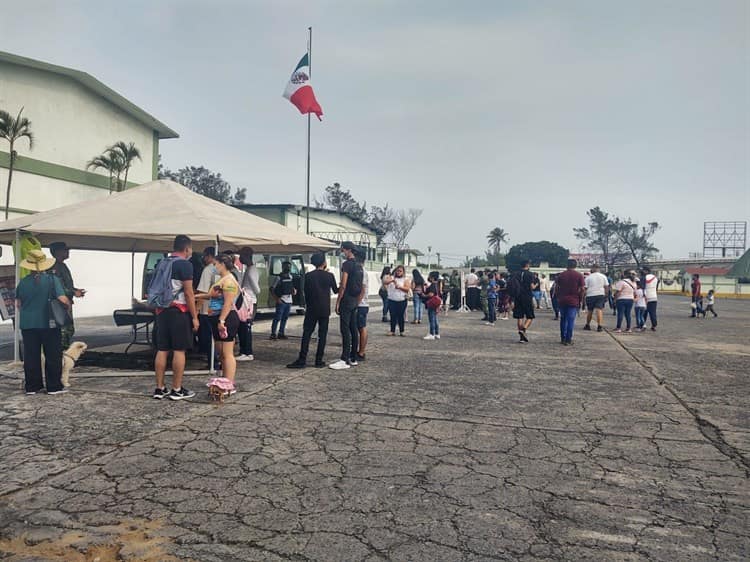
{"x": 640, "y": 307}
{"x": 710, "y": 304}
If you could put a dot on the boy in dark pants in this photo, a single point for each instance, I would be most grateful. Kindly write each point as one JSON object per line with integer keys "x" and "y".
{"x": 319, "y": 286}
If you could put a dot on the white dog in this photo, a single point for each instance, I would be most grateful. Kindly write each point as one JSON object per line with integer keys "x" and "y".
{"x": 70, "y": 356}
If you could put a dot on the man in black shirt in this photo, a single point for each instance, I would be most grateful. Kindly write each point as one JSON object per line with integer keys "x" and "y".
{"x": 523, "y": 311}
{"x": 350, "y": 294}
{"x": 319, "y": 286}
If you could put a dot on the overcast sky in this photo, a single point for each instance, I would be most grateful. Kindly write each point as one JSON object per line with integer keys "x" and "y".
{"x": 484, "y": 113}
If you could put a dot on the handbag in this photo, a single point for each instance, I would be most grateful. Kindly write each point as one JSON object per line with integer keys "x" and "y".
{"x": 434, "y": 302}
{"x": 58, "y": 312}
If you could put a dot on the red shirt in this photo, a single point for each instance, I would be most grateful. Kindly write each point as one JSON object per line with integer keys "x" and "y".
{"x": 696, "y": 286}
{"x": 568, "y": 285}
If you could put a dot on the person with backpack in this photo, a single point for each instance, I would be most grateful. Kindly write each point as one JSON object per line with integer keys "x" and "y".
{"x": 319, "y": 285}
{"x": 350, "y": 295}
{"x": 171, "y": 294}
{"x": 431, "y": 297}
{"x": 249, "y": 292}
{"x": 283, "y": 291}
{"x": 223, "y": 315}
{"x": 398, "y": 290}
{"x": 521, "y": 289}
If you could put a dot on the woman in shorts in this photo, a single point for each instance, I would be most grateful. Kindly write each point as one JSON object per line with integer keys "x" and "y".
{"x": 222, "y": 314}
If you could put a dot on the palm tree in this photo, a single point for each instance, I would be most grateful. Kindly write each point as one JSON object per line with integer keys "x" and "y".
{"x": 496, "y": 238}
{"x": 13, "y": 129}
{"x": 104, "y": 162}
{"x": 127, "y": 153}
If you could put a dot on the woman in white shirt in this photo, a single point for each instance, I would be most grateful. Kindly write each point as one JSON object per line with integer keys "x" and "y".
{"x": 624, "y": 296}
{"x": 398, "y": 290}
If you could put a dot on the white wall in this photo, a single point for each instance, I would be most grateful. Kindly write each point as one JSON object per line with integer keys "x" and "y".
{"x": 40, "y": 193}
{"x": 71, "y": 124}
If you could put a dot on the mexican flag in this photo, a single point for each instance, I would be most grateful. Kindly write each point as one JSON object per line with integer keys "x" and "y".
{"x": 300, "y": 92}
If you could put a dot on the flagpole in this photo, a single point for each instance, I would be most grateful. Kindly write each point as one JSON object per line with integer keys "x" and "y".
{"x": 309, "y": 62}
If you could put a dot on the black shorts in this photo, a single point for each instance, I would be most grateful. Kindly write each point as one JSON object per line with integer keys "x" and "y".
{"x": 524, "y": 308}
{"x": 232, "y": 324}
{"x": 595, "y": 302}
{"x": 362, "y": 312}
{"x": 174, "y": 331}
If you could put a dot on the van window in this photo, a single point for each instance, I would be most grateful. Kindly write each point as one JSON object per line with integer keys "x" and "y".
{"x": 152, "y": 258}
{"x": 278, "y": 261}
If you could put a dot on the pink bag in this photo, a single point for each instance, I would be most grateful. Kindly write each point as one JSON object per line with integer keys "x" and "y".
{"x": 245, "y": 310}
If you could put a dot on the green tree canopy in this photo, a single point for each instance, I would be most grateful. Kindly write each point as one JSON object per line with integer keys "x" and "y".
{"x": 207, "y": 183}
{"x": 536, "y": 252}
{"x": 617, "y": 239}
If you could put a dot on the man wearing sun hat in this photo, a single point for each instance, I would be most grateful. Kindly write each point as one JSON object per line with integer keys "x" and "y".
{"x": 38, "y": 329}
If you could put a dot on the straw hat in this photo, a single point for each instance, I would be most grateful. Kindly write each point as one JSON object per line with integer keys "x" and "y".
{"x": 36, "y": 260}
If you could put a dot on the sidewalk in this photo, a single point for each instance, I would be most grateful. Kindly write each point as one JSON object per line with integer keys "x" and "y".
{"x": 474, "y": 447}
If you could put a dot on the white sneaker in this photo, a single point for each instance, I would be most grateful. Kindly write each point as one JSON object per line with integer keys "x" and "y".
{"x": 245, "y": 358}
{"x": 429, "y": 337}
{"x": 353, "y": 363}
{"x": 437, "y": 336}
{"x": 338, "y": 365}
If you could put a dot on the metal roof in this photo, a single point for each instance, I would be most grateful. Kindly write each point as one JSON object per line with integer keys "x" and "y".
{"x": 98, "y": 88}
{"x": 247, "y": 206}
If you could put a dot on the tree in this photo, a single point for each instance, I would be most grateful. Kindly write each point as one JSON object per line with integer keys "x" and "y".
{"x": 617, "y": 239}
{"x": 337, "y": 198}
{"x": 637, "y": 239}
{"x": 496, "y": 238}
{"x": 13, "y": 129}
{"x": 601, "y": 236}
{"x": 204, "y": 181}
{"x": 388, "y": 223}
{"x": 536, "y": 252}
{"x": 127, "y": 154}
{"x": 382, "y": 220}
{"x": 104, "y": 162}
{"x": 405, "y": 221}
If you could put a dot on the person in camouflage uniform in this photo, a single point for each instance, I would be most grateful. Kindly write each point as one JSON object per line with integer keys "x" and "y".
{"x": 60, "y": 252}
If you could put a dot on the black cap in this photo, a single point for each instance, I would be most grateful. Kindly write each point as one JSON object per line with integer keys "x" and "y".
{"x": 348, "y": 245}
{"x": 56, "y": 247}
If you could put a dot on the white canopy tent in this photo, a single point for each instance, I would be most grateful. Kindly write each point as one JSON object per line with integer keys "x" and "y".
{"x": 148, "y": 217}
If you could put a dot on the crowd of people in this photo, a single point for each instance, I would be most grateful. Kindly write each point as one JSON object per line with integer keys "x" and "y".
{"x": 209, "y": 305}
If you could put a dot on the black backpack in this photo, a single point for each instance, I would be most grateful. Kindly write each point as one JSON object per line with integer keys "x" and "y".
{"x": 355, "y": 281}
{"x": 514, "y": 285}
{"x": 284, "y": 285}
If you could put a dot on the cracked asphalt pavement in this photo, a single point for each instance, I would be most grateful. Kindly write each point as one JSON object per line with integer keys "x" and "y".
{"x": 474, "y": 447}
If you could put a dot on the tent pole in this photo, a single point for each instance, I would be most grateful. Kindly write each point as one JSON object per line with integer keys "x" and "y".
{"x": 17, "y": 317}
{"x": 132, "y": 277}
{"x": 211, "y": 366}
